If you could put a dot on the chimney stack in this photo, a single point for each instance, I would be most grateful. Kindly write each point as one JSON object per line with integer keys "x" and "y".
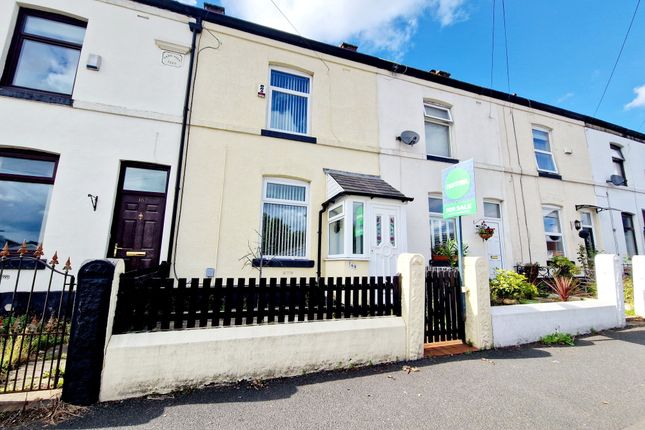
{"x": 349, "y": 46}
{"x": 215, "y": 8}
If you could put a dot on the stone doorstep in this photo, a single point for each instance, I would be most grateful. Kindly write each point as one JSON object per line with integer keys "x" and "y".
{"x": 29, "y": 400}
{"x": 450, "y": 347}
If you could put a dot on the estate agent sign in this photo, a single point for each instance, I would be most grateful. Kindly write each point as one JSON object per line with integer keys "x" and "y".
{"x": 458, "y": 190}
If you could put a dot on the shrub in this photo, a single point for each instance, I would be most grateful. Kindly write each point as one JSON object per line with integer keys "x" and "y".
{"x": 564, "y": 267}
{"x": 564, "y": 287}
{"x": 558, "y": 339}
{"x": 628, "y": 288}
{"x": 510, "y": 285}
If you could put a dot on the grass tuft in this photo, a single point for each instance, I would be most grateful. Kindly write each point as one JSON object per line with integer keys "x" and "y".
{"x": 558, "y": 339}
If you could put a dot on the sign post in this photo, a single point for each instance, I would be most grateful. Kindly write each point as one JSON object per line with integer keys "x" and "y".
{"x": 458, "y": 191}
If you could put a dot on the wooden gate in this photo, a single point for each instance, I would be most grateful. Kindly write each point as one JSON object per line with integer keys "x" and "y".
{"x": 36, "y": 301}
{"x": 444, "y": 306}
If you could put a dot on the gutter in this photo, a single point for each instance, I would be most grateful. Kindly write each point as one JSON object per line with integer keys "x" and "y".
{"x": 196, "y": 28}
{"x": 379, "y": 63}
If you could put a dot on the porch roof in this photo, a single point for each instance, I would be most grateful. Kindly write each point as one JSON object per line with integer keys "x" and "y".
{"x": 358, "y": 184}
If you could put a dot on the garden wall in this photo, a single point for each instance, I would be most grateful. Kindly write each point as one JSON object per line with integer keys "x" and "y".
{"x": 136, "y": 364}
{"x": 140, "y": 363}
{"x": 519, "y": 324}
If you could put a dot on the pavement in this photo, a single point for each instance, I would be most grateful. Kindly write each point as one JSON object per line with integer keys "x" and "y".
{"x": 597, "y": 384}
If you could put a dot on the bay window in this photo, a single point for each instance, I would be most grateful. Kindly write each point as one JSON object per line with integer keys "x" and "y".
{"x": 343, "y": 240}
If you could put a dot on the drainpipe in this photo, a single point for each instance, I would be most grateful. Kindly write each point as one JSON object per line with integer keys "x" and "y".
{"x": 196, "y": 28}
{"x": 318, "y": 257}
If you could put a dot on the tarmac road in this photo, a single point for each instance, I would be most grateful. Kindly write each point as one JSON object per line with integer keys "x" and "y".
{"x": 598, "y": 384}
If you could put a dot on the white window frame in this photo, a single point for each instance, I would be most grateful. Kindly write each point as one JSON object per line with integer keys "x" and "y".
{"x": 305, "y": 203}
{"x": 548, "y": 208}
{"x": 550, "y": 152}
{"x": 439, "y": 216}
{"x": 348, "y": 215}
{"x": 287, "y": 91}
{"x": 440, "y": 121}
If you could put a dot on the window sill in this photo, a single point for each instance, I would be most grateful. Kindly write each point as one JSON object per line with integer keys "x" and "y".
{"x": 288, "y": 136}
{"x": 549, "y": 175}
{"x": 442, "y": 159}
{"x": 347, "y": 258}
{"x": 283, "y": 262}
{"x": 39, "y": 96}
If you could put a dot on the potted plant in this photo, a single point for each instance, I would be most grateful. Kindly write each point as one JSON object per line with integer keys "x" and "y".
{"x": 448, "y": 251}
{"x": 484, "y": 231}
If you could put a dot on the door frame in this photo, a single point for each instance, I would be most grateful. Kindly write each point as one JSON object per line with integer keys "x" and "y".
{"x": 124, "y": 164}
{"x": 500, "y": 230}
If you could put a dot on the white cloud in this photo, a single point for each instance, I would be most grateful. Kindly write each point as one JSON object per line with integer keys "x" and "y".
{"x": 376, "y": 25}
{"x": 190, "y": 2}
{"x": 639, "y": 100}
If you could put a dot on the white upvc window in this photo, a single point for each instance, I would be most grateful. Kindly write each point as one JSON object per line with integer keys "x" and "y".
{"x": 346, "y": 226}
{"x": 553, "y": 231}
{"x": 285, "y": 207}
{"x": 438, "y": 121}
{"x": 586, "y": 225}
{"x": 441, "y": 230}
{"x": 289, "y": 101}
{"x": 543, "y": 155}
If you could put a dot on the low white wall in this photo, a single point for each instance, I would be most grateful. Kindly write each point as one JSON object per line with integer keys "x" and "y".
{"x": 638, "y": 273}
{"x": 142, "y": 363}
{"x": 518, "y": 324}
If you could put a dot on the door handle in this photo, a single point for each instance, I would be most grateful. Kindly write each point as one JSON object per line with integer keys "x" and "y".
{"x": 116, "y": 248}
{"x": 135, "y": 253}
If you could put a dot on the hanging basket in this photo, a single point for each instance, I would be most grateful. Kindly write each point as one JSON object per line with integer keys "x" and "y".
{"x": 485, "y": 236}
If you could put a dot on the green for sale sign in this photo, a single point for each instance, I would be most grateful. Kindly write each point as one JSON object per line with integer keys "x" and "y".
{"x": 458, "y": 189}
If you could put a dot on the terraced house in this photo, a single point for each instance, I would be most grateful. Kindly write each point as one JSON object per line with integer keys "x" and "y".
{"x": 223, "y": 147}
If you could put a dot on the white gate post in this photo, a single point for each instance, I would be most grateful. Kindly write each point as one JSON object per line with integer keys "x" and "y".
{"x": 412, "y": 269}
{"x": 609, "y": 281}
{"x": 479, "y": 327}
{"x": 638, "y": 278}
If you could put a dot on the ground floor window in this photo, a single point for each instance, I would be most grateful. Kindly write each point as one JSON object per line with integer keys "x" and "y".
{"x": 284, "y": 218}
{"x": 26, "y": 182}
{"x": 553, "y": 232}
{"x": 586, "y": 227}
{"x": 345, "y": 240}
{"x": 630, "y": 236}
{"x": 441, "y": 230}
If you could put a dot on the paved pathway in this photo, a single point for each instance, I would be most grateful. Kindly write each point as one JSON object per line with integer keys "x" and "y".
{"x": 598, "y": 384}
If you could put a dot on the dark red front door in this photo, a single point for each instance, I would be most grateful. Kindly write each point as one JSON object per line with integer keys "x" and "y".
{"x": 139, "y": 216}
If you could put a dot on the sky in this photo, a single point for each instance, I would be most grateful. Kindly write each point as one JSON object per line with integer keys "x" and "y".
{"x": 559, "y": 52}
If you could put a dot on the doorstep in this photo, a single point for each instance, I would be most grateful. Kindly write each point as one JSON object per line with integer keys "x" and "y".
{"x": 29, "y": 400}
{"x": 450, "y": 347}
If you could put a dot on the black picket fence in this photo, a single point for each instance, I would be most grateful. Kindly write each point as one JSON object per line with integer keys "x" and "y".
{"x": 444, "y": 306}
{"x": 150, "y": 304}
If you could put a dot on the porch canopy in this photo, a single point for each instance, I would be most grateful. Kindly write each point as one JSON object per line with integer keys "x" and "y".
{"x": 341, "y": 184}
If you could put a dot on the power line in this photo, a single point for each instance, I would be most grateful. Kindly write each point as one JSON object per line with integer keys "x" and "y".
{"x": 508, "y": 73}
{"x": 617, "y": 58}
{"x": 492, "y": 50}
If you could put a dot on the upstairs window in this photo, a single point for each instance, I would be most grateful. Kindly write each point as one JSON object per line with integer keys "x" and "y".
{"x": 26, "y": 182}
{"x": 437, "y": 130}
{"x": 618, "y": 162}
{"x": 289, "y": 102}
{"x": 284, "y": 218}
{"x": 543, "y": 154}
{"x": 44, "y": 53}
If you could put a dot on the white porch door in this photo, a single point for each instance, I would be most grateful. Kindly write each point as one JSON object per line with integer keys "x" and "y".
{"x": 494, "y": 247}
{"x": 385, "y": 238}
